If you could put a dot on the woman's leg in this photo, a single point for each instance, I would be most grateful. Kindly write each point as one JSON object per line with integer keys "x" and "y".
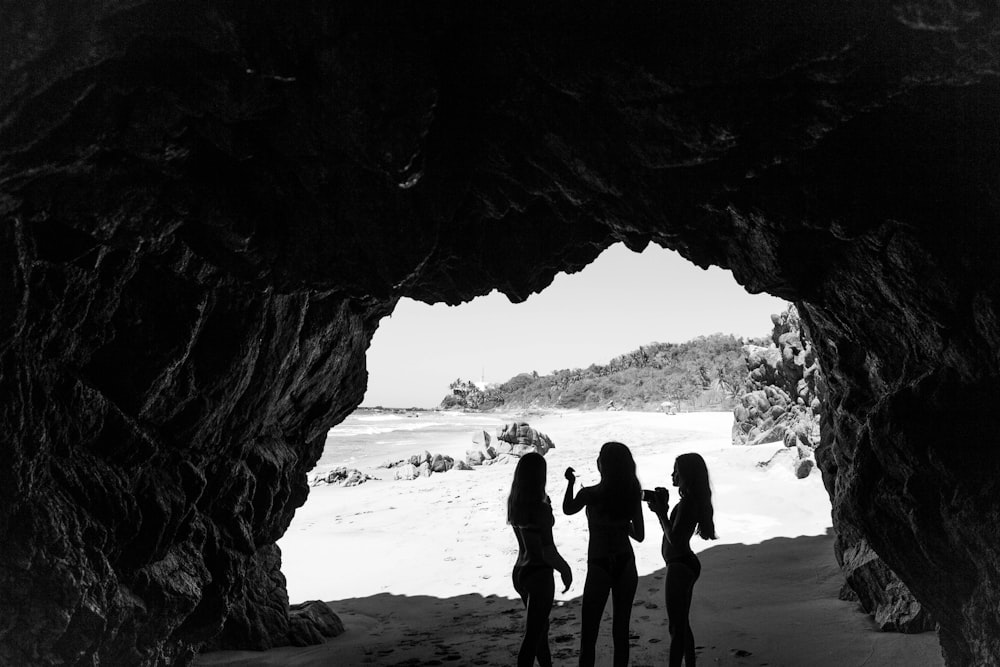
{"x": 540, "y": 590}
{"x": 680, "y": 584}
{"x": 542, "y": 651}
{"x": 622, "y": 595}
{"x": 689, "y": 656}
{"x": 595, "y": 596}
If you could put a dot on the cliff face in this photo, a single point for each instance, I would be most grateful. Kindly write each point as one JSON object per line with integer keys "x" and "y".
{"x": 206, "y": 208}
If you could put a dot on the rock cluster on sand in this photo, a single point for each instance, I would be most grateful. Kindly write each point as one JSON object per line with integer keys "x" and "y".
{"x": 523, "y": 439}
{"x": 783, "y": 401}
{"x": 342, "y": 476}
{"x": 420, "y": 465}
{"x": 512, "y": 441}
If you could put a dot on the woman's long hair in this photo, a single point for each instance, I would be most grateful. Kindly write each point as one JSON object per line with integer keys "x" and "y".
{"x": 619, "y": 485}
{"x": 696, "y": 489}
{"x": 527, "y": 491}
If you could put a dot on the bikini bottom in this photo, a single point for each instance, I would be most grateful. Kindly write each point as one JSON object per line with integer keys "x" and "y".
{"x": 615, "y": 565}
{"x": 688, "y": 560}
{"x": 523, "y": 574}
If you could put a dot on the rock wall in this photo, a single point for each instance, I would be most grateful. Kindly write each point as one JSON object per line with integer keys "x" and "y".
{"x": 205, "y": 209}
{"x": 781, "y": 402}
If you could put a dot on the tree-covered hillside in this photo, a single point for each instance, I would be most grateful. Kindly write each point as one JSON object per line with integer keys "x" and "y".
{"x": 704, "y": 373}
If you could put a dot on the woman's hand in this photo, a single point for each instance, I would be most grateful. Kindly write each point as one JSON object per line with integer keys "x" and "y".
{"x": 661, "y": 500}
{"x": 567, "y": 578}
{"x": 570, "y": 475}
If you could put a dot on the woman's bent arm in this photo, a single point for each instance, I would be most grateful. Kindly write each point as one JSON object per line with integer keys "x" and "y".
{"x": 637, "y": 526}
{"x": 573, "y": 505}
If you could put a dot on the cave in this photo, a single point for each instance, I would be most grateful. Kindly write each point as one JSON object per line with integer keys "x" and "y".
{"x": 207, "y": 208}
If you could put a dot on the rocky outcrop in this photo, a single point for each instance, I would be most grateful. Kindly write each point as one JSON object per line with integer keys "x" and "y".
{"x": 522, "y": 439}
{"x": 205, "y": 212}
{"x": 782, "y": 398}
{"x": 784, "y": 404}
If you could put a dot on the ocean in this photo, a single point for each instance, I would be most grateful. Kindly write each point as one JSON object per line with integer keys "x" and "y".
{"x": 367, "y": 438}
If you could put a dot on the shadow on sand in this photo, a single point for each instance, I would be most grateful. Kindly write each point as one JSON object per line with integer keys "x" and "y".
{"x": 772, "y": 604}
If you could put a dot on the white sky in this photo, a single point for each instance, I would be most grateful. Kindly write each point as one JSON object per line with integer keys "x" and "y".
{"x": 620, "y": 301}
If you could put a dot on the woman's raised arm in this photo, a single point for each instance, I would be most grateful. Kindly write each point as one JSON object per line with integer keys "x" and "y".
{"x": 572, "y": 505}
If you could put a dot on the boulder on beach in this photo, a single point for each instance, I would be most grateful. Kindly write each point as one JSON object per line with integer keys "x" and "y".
{"x": 311, "y": 623}
{"x": 342, "y": 476}
{"x": 522, "y": 439}
{"x": 442, "y": 463}
{"x": 417, "y": 459}
{"x": 405, "y": 471}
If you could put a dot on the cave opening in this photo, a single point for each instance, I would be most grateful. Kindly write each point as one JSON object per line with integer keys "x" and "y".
{"x": 623, "y": 303}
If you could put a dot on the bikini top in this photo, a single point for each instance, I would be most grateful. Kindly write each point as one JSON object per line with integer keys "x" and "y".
{"x": 535, "y": 536}
{"x": 608, "y": 535}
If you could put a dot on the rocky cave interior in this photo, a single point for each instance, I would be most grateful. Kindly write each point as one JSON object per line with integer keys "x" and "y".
{"x": 207, "y": 208}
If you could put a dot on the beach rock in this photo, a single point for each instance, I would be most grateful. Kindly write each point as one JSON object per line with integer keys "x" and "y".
{"x": 311, "y": 623}
{"x": 424, "y": 470}
{"x": 206, "y": 212}
{"x": 442, "y": 463}
{"x": 523, "y": 439}
{"x": 474, "y": 457}
{"x": 482, "y": 439}
{"x": 406, "y": 472}
{"x": 420, "y": 459}
{"x": 462, "y": 465}
{"x": 803, "y": 467}
{"x": 343, "y": 477}
{"x": 783, "y": 383}
{"x": 880, "y": 592}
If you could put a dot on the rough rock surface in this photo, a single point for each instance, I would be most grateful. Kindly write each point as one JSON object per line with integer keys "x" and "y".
{"x": 782, "y": 401}
{"x": 206, "y": 208}
{"x": 312, "y": 622}
{"x": 518, "y": 439}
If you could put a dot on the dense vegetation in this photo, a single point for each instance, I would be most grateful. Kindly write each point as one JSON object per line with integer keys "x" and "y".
{"x": 705, "y": 373}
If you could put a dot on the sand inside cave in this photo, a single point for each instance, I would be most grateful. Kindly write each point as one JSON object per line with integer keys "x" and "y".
{"x": 419, "y": 571}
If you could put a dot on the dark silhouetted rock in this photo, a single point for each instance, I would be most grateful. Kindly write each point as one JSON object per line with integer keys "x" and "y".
{"x": 880, "y": 591}
{"x": 312, "y": 623}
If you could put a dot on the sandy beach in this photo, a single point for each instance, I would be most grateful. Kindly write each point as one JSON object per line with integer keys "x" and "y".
{"x": 419, "y": 571}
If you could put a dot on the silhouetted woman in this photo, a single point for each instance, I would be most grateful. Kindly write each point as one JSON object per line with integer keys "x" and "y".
{"x": 530, "y": 515}
{"x": 692, "y": 513}
{"x": 614, "y": 514}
